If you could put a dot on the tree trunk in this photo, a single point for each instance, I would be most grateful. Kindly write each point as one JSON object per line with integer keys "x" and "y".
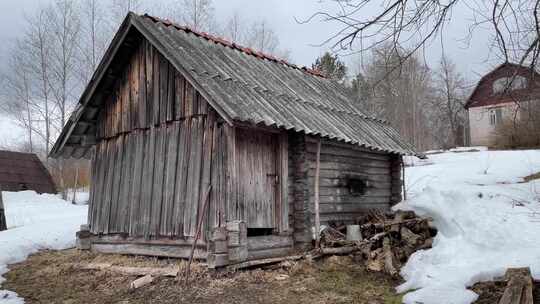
{"x": 3, "y": 224}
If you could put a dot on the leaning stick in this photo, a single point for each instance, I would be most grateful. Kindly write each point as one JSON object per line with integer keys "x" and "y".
{"x": 198, "y": 233}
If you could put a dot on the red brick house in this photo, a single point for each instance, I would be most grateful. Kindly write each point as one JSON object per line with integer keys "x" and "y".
{"x": 503, "y": 99}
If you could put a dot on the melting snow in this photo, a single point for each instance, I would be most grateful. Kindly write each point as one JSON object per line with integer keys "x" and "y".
{"x": 35, "y": 222}
{"x": 487, "y": 218}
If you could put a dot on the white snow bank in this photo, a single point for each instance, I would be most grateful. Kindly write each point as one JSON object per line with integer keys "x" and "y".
{"x": 35, "y": 222}
{"x": 486, "y": 222}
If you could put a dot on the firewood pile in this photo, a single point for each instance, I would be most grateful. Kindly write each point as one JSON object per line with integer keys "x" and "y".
{"x": 388, "y": 240}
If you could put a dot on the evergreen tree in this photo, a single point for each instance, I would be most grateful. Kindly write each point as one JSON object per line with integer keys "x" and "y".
{"x": 331, "y": 67}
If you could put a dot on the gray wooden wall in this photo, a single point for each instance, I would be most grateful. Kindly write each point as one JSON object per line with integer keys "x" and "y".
{"x": 160, "y": 147}
{"x": 338, "y": 163}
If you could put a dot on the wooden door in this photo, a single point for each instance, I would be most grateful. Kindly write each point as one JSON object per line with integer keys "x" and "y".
{"x": 258, "y": 177}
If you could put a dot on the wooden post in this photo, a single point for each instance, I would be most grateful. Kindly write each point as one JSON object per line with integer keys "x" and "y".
{"x": 403, "y": 179}
{"x": 73, "y": 201}
{"x": 197, "y": 233}
{"x": 317, "y": 182}
{"x": 3, "y": 224}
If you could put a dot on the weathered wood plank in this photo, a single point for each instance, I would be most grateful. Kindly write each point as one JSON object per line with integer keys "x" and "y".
{"x": 167, "y": 212}
{"x": 135, "y": 197}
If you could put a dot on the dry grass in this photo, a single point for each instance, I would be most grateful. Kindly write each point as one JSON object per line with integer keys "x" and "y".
{"x": 50, "y": 277}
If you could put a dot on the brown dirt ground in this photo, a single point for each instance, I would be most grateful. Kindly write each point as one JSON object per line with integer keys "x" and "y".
{"x": 50, "y": 277}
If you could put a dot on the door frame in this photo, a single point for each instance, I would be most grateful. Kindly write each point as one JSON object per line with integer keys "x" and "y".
{"x": 281, "y": 208}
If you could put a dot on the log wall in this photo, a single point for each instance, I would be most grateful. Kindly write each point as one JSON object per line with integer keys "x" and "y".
{"x": 339, "y": 163}
{"x": 160, "y": 147}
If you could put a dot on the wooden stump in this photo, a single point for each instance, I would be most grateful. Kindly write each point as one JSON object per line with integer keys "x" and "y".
{"x": 519, "y": 289}
{"x": 3, "y": 224}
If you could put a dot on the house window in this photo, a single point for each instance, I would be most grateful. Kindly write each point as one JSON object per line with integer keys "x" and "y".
{"x": 503, "y": 83}
{"x": 495, "y": 116}
{"x": 357, "y": 186}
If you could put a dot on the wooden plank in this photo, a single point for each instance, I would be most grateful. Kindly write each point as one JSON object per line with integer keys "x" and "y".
{"x": 106, "y": 207}
{"x": 149, "y": 58}
{"x": 232, "y": 190}
{"x": 150, "y": 250}
{"x": 135, "y": 197}
{"x": 167, "y": 212}
{"x": 194, "y": 173}
{"x": 182, "y": 165}
{"x": 284, "y": 182}
{"x": 269, "y": 241}
{"x": 180, "y": 95}
{"x": 317, "y": 198}
{"x": 125, "y": 186}
{"x": 141, "y": 100}
{"x": 163, "y": 88}
{"x": 159, "y": 173}
{"x": 147, "y": 186}
{"x": 171, "y": 93}
{"x": 207, "y": 141}
{"x": 156, "y": 87}
{"x": 115, "y": 196}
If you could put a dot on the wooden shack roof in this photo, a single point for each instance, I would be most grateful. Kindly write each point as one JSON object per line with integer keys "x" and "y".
{"x": 241, "y": 84}
{"x": 24, "y": 171}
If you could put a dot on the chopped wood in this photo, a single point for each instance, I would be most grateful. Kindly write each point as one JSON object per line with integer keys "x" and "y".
{"x": 142, "y": 281}
{"x": 390, "y": 239}
{"x": 131, "y": 271}
{"x": 519, "y": 287}
{"x": 390, "y": 265}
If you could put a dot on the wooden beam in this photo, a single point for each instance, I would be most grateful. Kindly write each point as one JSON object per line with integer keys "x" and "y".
{"x": 317, "y": 198}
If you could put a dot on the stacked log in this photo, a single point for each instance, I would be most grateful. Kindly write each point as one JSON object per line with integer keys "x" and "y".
{"x": 389, "y": 240}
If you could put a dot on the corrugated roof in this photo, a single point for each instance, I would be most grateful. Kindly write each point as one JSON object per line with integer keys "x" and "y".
{"x": 249, "y": 86}
{"x": 259, "y": 89}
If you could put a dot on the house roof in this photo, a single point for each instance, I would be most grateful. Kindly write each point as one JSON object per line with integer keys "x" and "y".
{"x": 24, "y": 171}
{"x": 243, "y": 85}
{"x": 475, "y": 101}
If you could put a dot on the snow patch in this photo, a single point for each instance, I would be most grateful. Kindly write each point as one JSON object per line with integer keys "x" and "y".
{"x": 35, "y": 222}
{"x": 487, "y": 219}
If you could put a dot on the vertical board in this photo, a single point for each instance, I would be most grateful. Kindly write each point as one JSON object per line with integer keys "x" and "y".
{"x": 167, "y": 210}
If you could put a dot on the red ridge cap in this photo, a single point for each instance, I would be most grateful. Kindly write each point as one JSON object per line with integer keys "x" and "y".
{"x": 224, "y": 42}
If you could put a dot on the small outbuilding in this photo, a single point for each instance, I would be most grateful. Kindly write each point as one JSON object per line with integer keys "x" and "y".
{"x": 188, "y": 131}
{"x": 24, "y": 171}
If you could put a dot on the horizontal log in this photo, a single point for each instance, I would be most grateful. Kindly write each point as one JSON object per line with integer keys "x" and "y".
{"x": 131, "y": 271}
{"x": 352, "y": 160}
{"x": 352, "y": 200}
{"x": 269, "y": 241}
{"x": 368, "y": 174}
{"x": 149, "y": 250}
{"x": 269, "y": 253}
{"x": 350, "y": 208}
{"x": 263, "y": 262}
{"x": 358, "y": 167}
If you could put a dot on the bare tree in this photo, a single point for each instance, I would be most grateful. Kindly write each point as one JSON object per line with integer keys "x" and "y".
{"x": 197, "y": 14}
{"x": 37, "y": 44}
{"x": 400, "y": 93}
{"x": 365, "y": 24}
{"x": 120, "y": 8}
{"x": 64, "y": 25}
{"x": 262, "y": 37}
{"x": 451, "y": 90}
{"x": 94, "y": 36}
{"x": 17, "y": 93}
{"x": 234, "y": 29}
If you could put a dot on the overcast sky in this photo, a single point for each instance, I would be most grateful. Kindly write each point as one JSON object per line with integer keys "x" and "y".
{"x": 300, "y": 39}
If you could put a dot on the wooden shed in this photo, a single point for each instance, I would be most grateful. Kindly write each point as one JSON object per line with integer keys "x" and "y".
{"x": 24, "y": 171}
{"x": 186, "y": 128}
